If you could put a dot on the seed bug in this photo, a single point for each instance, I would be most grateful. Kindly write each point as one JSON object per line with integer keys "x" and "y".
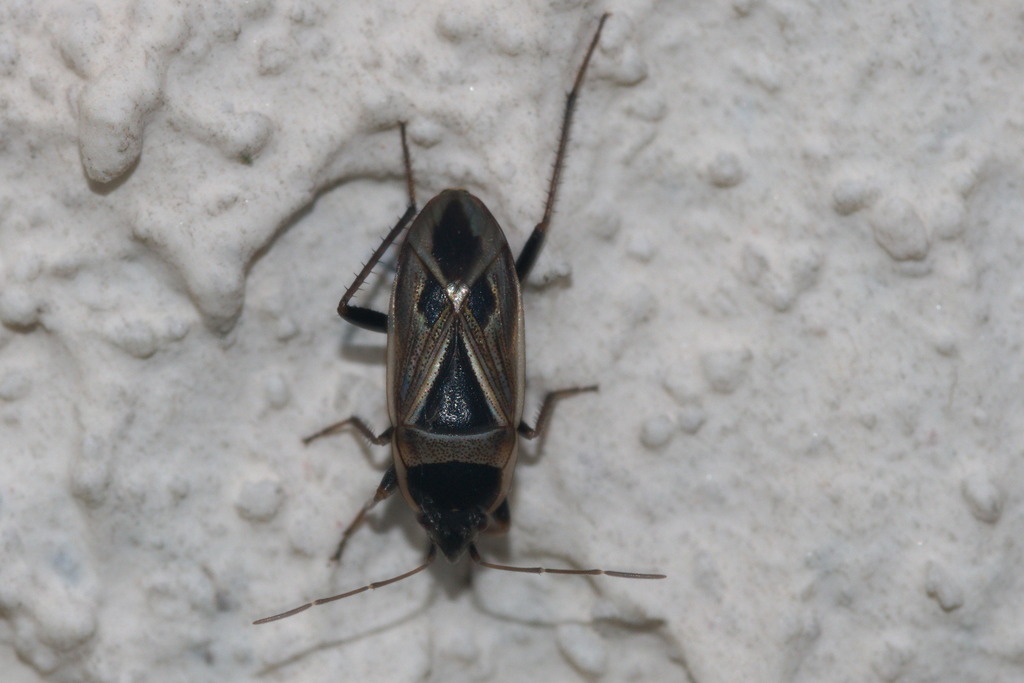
{"x": 455, "y": 368}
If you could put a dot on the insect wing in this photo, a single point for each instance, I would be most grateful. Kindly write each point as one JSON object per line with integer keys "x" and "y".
{"x": 455, "y": 340}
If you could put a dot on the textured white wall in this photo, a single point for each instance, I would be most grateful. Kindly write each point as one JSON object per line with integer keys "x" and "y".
{"x": 788, "y": 247}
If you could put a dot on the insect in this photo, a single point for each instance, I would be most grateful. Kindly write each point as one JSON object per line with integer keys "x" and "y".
{"x": 455, "y": 369}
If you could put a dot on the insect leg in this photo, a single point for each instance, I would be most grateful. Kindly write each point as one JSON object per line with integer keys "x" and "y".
{"x": 367, "y": 318}
{"x": 501, "y": 519}
{"x": 387, "y": 486}
{"x": 546, "y": 409}
{"x": 376, "y": 439}
{"x": 528, "y": 256}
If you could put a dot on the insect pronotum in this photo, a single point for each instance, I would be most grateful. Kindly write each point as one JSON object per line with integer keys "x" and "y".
{"x": 455, "y": 369}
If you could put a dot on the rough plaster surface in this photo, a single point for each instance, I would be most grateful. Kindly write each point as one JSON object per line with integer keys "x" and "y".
{"x": 788, "y": 247}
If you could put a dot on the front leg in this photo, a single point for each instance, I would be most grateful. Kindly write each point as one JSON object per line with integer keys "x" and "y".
{"x": 387, "y": 486}
{"x": 501, "y": 519}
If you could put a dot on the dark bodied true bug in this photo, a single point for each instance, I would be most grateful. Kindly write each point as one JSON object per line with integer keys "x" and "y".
{"x": 455, "y": 368}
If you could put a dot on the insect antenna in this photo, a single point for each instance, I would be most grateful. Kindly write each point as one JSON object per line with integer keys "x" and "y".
{"x": 368, "y": 587}
{"x": 543, "y": 570}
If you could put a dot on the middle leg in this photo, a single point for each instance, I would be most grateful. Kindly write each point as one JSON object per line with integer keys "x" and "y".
{"x": 547, "y": 408}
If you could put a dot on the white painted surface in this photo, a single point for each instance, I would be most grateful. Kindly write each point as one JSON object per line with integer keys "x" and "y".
{"x": 792, "y": 232}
